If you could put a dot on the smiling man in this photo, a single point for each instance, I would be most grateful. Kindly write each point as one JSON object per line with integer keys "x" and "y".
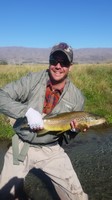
{"x": 59, "y": 67}
{"x": 34, "y": 95}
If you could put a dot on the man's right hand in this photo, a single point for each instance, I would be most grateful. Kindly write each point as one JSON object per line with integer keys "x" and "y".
{"x": 34, "y": 119}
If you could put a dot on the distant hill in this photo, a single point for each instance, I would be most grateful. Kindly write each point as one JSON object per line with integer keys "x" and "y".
{"x": 20, "y": 55}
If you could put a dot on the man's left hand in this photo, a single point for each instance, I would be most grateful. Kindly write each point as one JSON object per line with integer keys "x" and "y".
{"x": 75, "y": 128}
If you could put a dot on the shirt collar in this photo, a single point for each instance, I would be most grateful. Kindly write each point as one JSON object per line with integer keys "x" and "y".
{"x": 49, "y": 84}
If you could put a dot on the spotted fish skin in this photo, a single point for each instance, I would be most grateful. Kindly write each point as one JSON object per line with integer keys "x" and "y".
{"x": 61, "y": 122}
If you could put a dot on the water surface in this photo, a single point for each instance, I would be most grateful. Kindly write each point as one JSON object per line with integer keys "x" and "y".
{"x": 91, "y": 155}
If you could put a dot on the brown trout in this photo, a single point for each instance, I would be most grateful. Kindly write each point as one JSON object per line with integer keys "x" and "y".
{"x": 61, "y": 122}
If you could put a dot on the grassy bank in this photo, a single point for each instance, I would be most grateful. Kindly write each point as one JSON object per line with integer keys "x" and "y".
{"x": 94, "y": 80}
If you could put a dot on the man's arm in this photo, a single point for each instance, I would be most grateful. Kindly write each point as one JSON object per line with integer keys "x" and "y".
{"x": 13, "y": 97}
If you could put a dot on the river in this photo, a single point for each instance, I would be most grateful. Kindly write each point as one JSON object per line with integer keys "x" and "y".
{"x": 91, "y": 155}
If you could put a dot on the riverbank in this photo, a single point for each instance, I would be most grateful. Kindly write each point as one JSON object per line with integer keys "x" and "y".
{"x": 94, "y": 80}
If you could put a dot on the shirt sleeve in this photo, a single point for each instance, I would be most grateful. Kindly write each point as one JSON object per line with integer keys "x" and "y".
{"x": 13, "y": 97}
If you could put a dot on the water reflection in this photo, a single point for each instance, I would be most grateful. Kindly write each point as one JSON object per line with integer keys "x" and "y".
{"x": 91, "y": 155}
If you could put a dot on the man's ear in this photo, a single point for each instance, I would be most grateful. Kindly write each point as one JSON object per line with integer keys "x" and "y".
{"x": 70, "y": 68}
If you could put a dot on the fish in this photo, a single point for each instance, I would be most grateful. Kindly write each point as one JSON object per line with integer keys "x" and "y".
{"x": 61, "y": 122}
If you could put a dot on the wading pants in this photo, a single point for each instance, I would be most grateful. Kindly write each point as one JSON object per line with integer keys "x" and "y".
{"x": 53, "y": 161}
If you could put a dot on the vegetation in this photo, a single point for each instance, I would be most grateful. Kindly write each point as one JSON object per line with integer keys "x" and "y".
{"x": 3, "y": 62}
{"x": 94, "y": 80}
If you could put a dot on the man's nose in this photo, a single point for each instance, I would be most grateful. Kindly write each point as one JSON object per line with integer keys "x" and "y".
{"x": 58, "y": 65}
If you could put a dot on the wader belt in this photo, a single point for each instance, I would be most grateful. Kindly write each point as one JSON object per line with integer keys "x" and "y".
{"x": 19, "y": 156}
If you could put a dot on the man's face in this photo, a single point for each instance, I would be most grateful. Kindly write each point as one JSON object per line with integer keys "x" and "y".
{"x": 59, "y": 66}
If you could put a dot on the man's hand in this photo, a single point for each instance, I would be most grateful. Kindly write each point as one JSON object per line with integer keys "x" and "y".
{"x": 75, "y": 127}
{"x": 34, "y": 119}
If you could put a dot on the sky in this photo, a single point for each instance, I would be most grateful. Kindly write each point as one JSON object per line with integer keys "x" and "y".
{"x": 43, "y": 23}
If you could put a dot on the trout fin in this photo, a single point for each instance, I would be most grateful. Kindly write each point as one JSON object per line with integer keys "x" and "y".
{"x": 44, "y": 132}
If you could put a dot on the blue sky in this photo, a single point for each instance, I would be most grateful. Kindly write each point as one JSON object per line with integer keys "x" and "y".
{"x": 43, "y": 23}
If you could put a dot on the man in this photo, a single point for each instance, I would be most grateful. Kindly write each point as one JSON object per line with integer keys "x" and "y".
{"x": 37, "y": 94}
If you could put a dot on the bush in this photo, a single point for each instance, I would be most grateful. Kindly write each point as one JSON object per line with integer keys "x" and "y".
{"x": 3, "y": 62}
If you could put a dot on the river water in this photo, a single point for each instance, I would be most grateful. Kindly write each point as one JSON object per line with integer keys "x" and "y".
{"x": 91, "y": 155}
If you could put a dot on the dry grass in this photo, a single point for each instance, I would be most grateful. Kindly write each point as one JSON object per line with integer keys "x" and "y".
{"x": 9, "y": 73}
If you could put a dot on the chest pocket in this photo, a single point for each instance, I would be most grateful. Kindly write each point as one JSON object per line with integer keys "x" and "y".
{"x": 67, "y": 105}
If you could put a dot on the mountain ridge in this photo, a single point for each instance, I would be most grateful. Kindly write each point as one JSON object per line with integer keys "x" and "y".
{"x": 20, "y": 55}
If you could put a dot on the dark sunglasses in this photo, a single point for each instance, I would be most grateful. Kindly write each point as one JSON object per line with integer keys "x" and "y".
{"x": 64, "y": 63}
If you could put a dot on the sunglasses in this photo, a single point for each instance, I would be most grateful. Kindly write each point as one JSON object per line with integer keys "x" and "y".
{"x": 63, "y": 63}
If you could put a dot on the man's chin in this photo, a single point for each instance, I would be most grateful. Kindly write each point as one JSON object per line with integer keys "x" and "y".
{"x": 57, "y": 78}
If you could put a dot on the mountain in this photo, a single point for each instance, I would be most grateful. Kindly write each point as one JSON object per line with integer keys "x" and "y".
{"x": 20, "y": 55}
